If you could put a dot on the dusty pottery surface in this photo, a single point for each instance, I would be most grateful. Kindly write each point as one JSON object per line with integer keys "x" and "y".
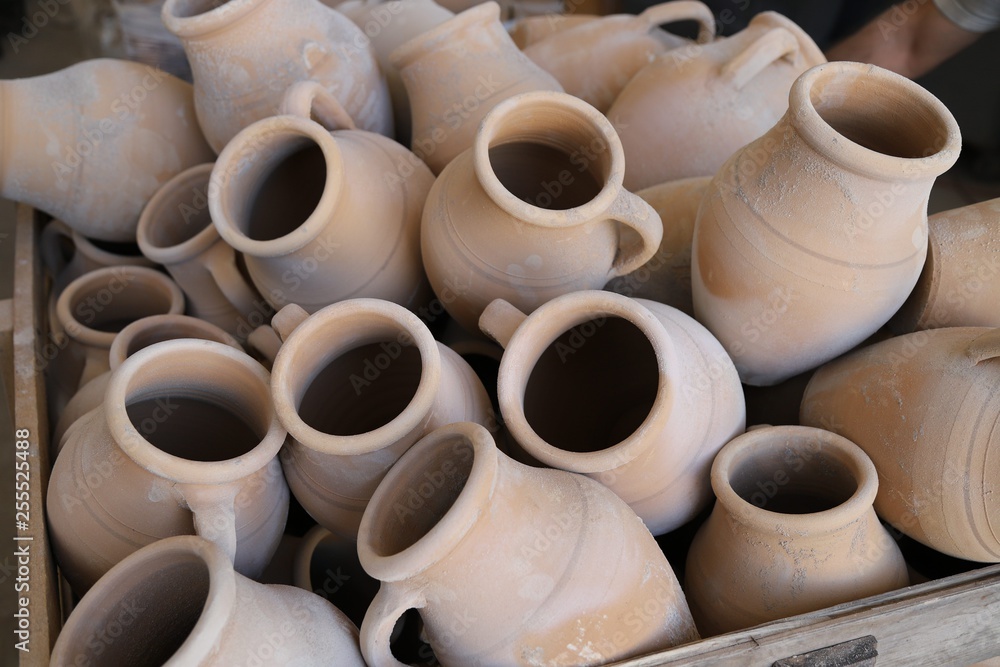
{"x": 178, "y": 602}
{"x": 356, "y": 384}
{"x": 245, "y": 54}
{"x": 533, "y": 210}
{"x": 811, "y": 237}
{"x": 185, "y": 442}
{"x": 960, "y": 283}
{"x": 455, "y": 74}
{"x": 691, "y": 108}
{"x": 91, "y": 143}
{"x": 595, "y": 59}
{"x": 793, "y": 531}
{"x": 925, "y": 408}
{"x": 456, "y": 507}
{"x": 531, "y": 29}
{"x": 633, "y": 393}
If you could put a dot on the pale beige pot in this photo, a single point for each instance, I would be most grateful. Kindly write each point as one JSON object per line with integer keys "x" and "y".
{"x": 793, "y": 531}
{"x": 960, "y": 282}
{"x": 176, "y": 230}
{"x": 632, "y": 393}
{"x": 691, "y": 108}
{"x": 185, "y": 442}
{"x": 811, "y": 237}
{"x": 245, "y": 54}
{"x": 455, "y": 74}
{"x": 322, "y": 216}
{"x": 356, "y": 384}
{"x": 532, "y": 29}
{"x": 666, "y": 277}
{"x": 91, "y": 143}
{"x": 179, "y": 603}
{"x": 925, "y": 408}
{"x": 68, "y": 254}
{"x": 327, "y": 564}
{"x": 594, "y": 60}
{"x": 533, "y": 210}
{"x": 455, "y": 507}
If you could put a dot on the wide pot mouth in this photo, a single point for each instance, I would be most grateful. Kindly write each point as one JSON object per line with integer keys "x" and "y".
{"x": 175, "y": 225}
{"x": 443, "y": 33}
{"x": 799, "y": 477}
{"x": 193, "y": 18}
{"x": 874, "y": 122}
{"x": 194, "y": 411}
{"x": 159, "y": 328}
{"x": 549, "y": 159}
{"x": 275, "y": 185}
{"x": 428, "y": 502}
{"x": 585, "y": 379}
{"x": 356, "y": 376}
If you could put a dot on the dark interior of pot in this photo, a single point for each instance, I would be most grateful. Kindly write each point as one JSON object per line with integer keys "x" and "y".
{"x": 116, "y": 299}
{"x": 188, "y": 8}
{"x": 286, "y": 192}
{"x": 593, "y": 386}
{"x": 123, "y": 248}
{"x": 181, "y": 215}
{"x": 544, "y": 176}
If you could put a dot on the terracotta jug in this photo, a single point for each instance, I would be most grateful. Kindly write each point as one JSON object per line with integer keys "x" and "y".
{"x": 91, "y": 143}
{"x": 186, "y": 441}
{"x": 924, "y": 407}
{"x": 455, "y": 74}
{"x": 245, "y": 54}
{"x": 793, "y": 531}
{"x": 179, "y": 603}
{"x": 68, "y": 254}
{"x": 667, "y": 276}
{"x": 356, "y": 384}
{"x": 594, "y": 60}
{"x": 455, "y": 507}
{"x": 960, "y": 283}
{"x": 811, "y": 237}
{"x": 632, "y": 393}
{"x": 532, "y": 29}
{"x": 533, "y": 210}
{"x": 322, "y": 216}
{"x": 691, "y": 108}
{"x": 327, "y": 565}
{"x": 176, "y": 230}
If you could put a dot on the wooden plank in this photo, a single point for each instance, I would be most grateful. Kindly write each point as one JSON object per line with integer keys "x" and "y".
{"x": 7, "y": 351}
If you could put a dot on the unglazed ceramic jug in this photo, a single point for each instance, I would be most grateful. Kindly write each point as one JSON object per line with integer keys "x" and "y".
{"x": 632, "y": 393}
{"x": 68, "y": 254}
{"x": 356, "y": 384}
{"x": 245, "y": 54}
{"x": 925, "y": 407}
{"x": 691, "y": 108}
{"x": 811, "y": 237}
{"x": 793, "y": 531}
{"x": 534, "y": 209}
{"x": 91, "y": 143}
{"x": 574, "y": 578}
{"x": 533, "y": 29}
{"x": 322, "y": 216}
{"x": 179, "y": 603}
{"x": 455, "y": 73}
{"x": 185, "y": 442}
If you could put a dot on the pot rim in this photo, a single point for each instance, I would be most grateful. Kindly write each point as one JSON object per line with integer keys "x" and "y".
{"x": 204, "y": 22}
{"x": 185, "y": 326}
{"x": 154, "y": 213}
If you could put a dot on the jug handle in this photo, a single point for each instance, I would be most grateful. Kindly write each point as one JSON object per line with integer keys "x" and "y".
{"x": 220, "y": 260}
{"x": 500, "y": 320}
{"x": 390, "y": 603}
{"x": 773, "y": 45}
{"x": 984, "y": 347}
{"x": 288, "y": 319}
{"x": 266, "y": 342}
{"x": 309, "y": 99}
{"x": 634, "y": 249}
{"x": 683, "y": 10}
{"x": 214, "y": 510}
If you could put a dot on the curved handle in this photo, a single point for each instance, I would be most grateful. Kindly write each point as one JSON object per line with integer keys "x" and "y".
{"x": 49, "y": 242}
{"x": 214, "y": 510}
{"x": 984, "y": 347}
{"x": 773, "y": 45}
{"x": 638, "y": 243}
{"x": 309, "y": 99}
{"x": 683, "y": 10}
{"x": 220, "y": 261}
{"x": 266, "y": 343}
{"x": 287, "y": 320}
{"x": 390, "y": 603}
{"x": 500, "y": 320}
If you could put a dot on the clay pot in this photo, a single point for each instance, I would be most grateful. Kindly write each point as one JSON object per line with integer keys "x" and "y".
{"x": 322, "y": 216}
{"x": 245, "y": 54}
{"x": 923, "y": 407}
{"x": 356, "y": 384}
{"x": 811, "y": 237}
{"x": 960, "y": 282}
{"x": 632, "y": 393}
{"x": 594, "y": 60}
{"x": 793, "y": 531}
{"x": 532, "y": 29}
{"x": 455, "y": 74}
{"x": 91, "y": 143}
{"x": 691, "y": 108}
{"x": 185, "y": 442}
{"x": 176, "y": 230}
{"x": 179, "y": 602}
{"x": 667, "y": 276}
{"x": 68, "y": 254}
{"x": 455, "y": 507}
{"x": 328, "y": 565}
{"x": 533, "y": 210}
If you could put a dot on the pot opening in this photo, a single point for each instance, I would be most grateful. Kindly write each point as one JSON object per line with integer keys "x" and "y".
{"x": 593, "y": 386}
{"x": 181, "y": 215}
{"x": 187, "y": 8}
{"x": 114, "y": 300}
{"x": 285, "y": 192}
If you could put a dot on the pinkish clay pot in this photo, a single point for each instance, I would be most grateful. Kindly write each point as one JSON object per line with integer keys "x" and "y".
{"x": 68, "y": 254}
{"x": 532, "y": 29}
